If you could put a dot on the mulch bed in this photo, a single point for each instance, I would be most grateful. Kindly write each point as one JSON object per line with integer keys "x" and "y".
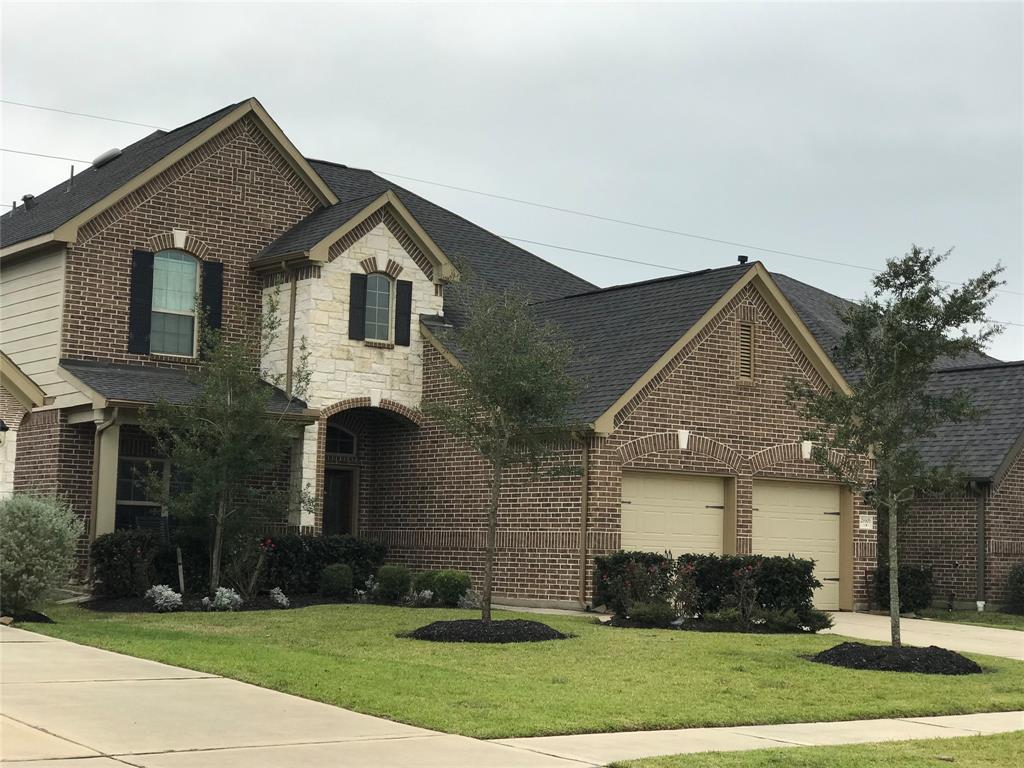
{"x": 884, "y": 658}
{"x": 701, "y": 625}
{"x": 476, "y": 631}
{"x": 32, "y": 617}
{"x": 194, "y": 603}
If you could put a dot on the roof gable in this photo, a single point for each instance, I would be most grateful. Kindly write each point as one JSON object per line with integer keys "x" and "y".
{"x": 56, "y": 214}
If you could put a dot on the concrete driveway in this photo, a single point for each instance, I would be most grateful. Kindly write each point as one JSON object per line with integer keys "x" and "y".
{"x": 69, "y": 706}
{"x": 923, "y": 632}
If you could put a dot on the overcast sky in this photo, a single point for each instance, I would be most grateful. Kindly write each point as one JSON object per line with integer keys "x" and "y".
{"x": 839, "y": 132}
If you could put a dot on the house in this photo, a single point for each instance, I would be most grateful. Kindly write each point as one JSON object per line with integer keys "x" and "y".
{"x": 691, "y": 445}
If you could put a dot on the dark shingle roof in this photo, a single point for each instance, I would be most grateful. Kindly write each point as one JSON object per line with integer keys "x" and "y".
{"x": 618, "y": 333}
{"x": 473, "y": 250}
{"x": 315, "y": 227}
{"x": 60, "y": 204}
{"x": 978, "y": 448}
{"x": 148, "y": 384}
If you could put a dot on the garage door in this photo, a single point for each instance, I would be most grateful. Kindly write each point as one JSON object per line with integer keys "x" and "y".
{"x": 678, "y": 513}
{"x": 801, "y": 519}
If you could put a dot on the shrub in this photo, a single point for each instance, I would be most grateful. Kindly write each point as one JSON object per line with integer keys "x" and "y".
{"x": 1015, "y": 590}
{"x": 225, "y": 599}
{"x": 791, "y": 621}
{"x": 624, "y": 578}
{"x": 470, "y": 601}
{"x": 164, "y": 598}
{"x": 336, "y": 581}
{"x": 393, "y": 582}
{"x": 295, "y": 562}
{"x": 122, "y": 562}
{"x": 658, "y": 614}
{"x": 424, "y": 580}
{"x": 195, "y": 559}
{"x": 38, "y": 552}
{"x": 450, "y": 587}
{"x": 915, "y": 587}
{"x": 420, "y": 599}
{"x": 278, "y": 598}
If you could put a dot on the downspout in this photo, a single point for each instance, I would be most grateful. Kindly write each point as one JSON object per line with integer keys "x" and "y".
{"x": 980, "y": 495}
{"x": 584, "y": 512}
{"x": 94, "y": 501}
{"x": 292, "y": 292}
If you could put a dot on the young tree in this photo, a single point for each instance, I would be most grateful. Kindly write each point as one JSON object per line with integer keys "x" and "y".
{"x": 220, "y": 441}
{"x": 514, "y": 392}
{"x": 892, "y": 342}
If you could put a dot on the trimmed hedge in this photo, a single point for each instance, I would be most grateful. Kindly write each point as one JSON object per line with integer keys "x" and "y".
{"x": 1015, "y": 590}
{"x": 336, "y": 581}
{"x": 450, "y": 587}
{"x": 393, "y": 583}
{"x": 122, "y": 562}
{"x": 915, "y": 587}
{"x": 712, "y": 583}
{"x": 296, "y": 561}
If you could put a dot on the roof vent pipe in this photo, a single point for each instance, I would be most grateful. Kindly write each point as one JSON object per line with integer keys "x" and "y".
{"x": 106, "y": 157}
{"x": 741, "y": 259}
{"x": 28, "y": 200}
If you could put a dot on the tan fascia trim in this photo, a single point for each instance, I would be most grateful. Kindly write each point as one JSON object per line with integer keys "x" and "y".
{"x": 99, "y": 401}
{"x": 320, "y": 253}
{"x": 1011, "y": 457}
{"x": 435, "y": 342}
{"x": 68, "y": 231}
{"x": 18, "y": 383}
{"x": 42, "y": 242}
{"x": 759, "y": 277}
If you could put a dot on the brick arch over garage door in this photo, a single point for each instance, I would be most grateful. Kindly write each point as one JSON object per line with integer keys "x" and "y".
{"x": 669, "y": 441}
{"x": 785, "y": 452}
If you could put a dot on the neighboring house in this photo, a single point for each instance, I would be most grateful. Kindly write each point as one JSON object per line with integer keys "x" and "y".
{"x": 691, "y": 445}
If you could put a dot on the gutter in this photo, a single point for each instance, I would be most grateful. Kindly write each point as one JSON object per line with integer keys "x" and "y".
{"x": 981, "y": 498}
{"x": 94, "y": 500}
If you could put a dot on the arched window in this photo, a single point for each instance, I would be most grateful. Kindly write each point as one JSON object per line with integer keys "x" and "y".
{"x": 340, "y": 441}
{"x": 378, "y": 307}
{"x": 175, "y": 286}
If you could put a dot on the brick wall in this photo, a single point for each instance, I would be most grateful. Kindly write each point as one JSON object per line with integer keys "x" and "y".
{"x": 1004, "y": 530}
{"x": 232, "y": 197}
{"x": 424, "y": 493}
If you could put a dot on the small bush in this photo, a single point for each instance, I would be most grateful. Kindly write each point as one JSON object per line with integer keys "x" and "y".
{"x": 791, "y": 621}
{"x": 470, "y": 601}
{"x": 424, "y": 580}
{"x": 915, "y": 587}
{"x": 225, "y": 599}
{"x": 164, "y": 598}
{"x": 336, "y": 581}
{"x": 39, "y": 536}
{"x": 122, "y": 563}
{"x": 658, "y": 614}
{"x": 393, "y": 583}
{"x": 1015, "y": 590}
{"x": 419, "y": 599}
{"x": 624, "y": 578}
{"x": 450, "y": 587}
{"x": 278, "y": 598}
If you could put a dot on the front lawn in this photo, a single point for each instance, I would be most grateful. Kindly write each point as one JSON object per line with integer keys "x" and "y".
{"x": 998, "y": 751}
{"x": 985, "y": 619}
{"x": 603, "y": 679}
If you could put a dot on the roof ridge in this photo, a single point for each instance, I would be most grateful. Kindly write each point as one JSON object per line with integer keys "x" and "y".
{"x": 623, "y": 286}
{"x": 980, "y": 366}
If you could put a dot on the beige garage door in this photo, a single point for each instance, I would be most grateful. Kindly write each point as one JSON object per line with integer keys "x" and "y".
{"x": 801, "y": 519}
{"x": 679, "y": 513}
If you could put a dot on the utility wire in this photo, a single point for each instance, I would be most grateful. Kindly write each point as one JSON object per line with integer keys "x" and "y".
{"x": 40, "y": 154}
{"x": 77, "y": 114}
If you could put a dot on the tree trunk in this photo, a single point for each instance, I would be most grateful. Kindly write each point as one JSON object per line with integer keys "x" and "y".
{"x": 218, "y": 546}
{"x": 492, "y": 530}
{"x": 894, "y": 577}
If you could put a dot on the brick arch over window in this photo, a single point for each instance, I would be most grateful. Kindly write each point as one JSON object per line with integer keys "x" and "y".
{"x": 669, "y": 441}
{"x": 165, "y": 242}
{"x": 778, "y": 454}
{"x": 411, "y": 415}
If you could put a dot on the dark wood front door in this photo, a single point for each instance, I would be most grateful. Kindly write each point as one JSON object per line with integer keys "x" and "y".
{"x": 338, "y": 517}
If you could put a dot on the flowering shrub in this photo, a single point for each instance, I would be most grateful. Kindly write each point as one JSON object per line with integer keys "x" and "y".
{"x": 422, "y": 599}
{"x": 38, "y": 550}
{"x": 164, "y": 598}
{"x": 624, "y": 578}
{"x": 279, "y": 599}
{"x": 225, "y": 599}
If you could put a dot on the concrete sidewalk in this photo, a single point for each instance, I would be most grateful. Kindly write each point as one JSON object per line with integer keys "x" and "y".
{"x": 966, "y": 638}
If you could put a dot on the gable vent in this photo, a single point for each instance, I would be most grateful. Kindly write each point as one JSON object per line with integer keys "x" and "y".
{"x": 746, "y": 352}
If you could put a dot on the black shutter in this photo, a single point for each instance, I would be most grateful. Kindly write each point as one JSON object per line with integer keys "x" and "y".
{"x": 141, "y": 303}
{"x": 213, "y": 293}
{"x": 357, "y": 307}
{"x": 403, "y": 312}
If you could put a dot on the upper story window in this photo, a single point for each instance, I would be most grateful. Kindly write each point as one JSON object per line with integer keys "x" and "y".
{"x": 175, "y": 287}
{"x": 378, "y": 307}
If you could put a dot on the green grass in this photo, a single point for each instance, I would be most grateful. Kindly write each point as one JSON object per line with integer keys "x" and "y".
{"x": 986, "y": 619}
{"x": 603, "y": 679}
{"x": 1004, "y": 750}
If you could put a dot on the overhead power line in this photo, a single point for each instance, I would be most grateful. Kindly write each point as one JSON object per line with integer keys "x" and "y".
{"x": 78, "y": 114}
{"x": 50, "y": 157}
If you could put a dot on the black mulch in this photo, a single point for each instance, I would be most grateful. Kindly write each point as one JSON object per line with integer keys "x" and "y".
{"x": 194, "y": 603}
{"x": 32, "y": 617}
{"x": 884, "y": 658}
{"x": 476, "y": 631}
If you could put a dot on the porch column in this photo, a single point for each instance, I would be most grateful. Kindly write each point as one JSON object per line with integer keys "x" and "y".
{"x": 108, "y": 439}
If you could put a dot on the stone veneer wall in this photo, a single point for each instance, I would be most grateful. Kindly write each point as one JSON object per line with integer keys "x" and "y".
{"x": 427, "y": 493}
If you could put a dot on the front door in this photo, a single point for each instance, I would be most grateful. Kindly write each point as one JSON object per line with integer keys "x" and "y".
{"x": 338, "y": 517}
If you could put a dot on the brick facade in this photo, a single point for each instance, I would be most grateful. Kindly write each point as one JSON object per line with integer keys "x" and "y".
{"x": 1004, "y": 530}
